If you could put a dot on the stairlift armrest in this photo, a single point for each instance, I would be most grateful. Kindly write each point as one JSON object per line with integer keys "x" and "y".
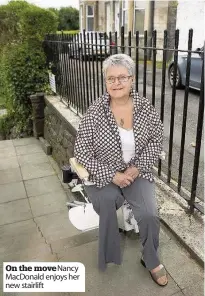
{"x": 79, "y": 169}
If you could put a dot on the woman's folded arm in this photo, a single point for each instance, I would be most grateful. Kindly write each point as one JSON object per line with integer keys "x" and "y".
{"x": 84, "y": 152}
{"x": 146, "y": 160}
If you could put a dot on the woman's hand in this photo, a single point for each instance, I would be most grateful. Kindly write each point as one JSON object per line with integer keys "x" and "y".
{"x": 132, "y": 171}
{"x": 122, "y": 179}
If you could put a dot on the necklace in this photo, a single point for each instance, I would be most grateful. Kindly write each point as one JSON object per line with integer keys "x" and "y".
{"x": 122, "y": 122}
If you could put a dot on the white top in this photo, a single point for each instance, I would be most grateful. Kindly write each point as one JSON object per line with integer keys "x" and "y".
{"x": 128, "y": 146}
{"x": 128, "y": 143}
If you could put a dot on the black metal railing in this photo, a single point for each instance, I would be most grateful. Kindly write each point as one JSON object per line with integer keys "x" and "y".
{"x": 76, "y": 61}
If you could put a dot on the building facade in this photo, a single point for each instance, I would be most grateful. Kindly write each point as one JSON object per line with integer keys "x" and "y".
{"x": 110, "y": 16}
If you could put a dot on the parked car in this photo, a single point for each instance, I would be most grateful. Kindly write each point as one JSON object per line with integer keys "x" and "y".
{"x": 195, "y": 71}
{"x": 84, "y": 47}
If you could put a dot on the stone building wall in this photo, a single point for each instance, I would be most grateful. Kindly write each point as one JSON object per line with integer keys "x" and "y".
{"x": 60, "y": 129}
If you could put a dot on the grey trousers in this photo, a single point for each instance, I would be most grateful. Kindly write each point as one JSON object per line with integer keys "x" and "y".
{"x": 141, "y": 197}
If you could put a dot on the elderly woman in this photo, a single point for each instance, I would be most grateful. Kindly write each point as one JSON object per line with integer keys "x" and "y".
{"x": 118, "y": 141}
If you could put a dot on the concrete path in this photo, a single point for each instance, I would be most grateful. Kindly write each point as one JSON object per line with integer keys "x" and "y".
{"x": 34, "y": 226}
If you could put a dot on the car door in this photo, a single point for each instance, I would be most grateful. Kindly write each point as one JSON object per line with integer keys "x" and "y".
{"x": 196, "y": 70}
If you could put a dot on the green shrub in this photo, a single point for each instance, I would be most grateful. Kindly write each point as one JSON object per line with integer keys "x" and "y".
{"x": 37, "y": 22}
{"x": 6, "y": 125}
{"x": 20, "y": 20}
{"x": 68, "y": 18}
{"x": 10, "y": 19}
{"x": 26, "y": 73}
{"x": 23, "y": 68}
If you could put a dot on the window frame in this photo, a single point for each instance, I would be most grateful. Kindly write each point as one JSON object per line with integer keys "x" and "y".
{"x": 124, "y": 9}
{"x": 134, "y": 24}
{"x": 117, "y": 16}
{"x": 89, "y": 17}
{"x": 81, "y": 17}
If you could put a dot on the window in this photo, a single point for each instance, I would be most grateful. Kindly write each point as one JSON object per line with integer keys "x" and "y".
{"x": 117, "y": 16}
{"x": 139, "y": 16}
{"x": 90, "y": 18}
{"x": 81, "y": 18}
{"x": 125, "y": 15}
{"x": 108, "y": 18}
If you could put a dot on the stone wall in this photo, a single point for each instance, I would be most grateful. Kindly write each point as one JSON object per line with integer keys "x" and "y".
{"x": 60, "y": 129}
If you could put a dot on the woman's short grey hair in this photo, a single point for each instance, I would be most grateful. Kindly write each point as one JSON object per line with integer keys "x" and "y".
{"x": 119, "y": 60}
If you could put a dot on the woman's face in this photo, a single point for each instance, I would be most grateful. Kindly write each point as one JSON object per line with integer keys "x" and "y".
{"x": 118, "y": 82}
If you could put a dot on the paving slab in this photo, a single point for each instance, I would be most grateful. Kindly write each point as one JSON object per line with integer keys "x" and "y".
{"x": 26, "y": 254}
{"x": 9, "y": 163}
{"x": 33, "y": 171}
{"x": 34, "y": 158}
{"x": 31, "y": 255}
{"x": 56, "y": 226}
{"x": 10, "y": 176}
{"x": 7, "y": 152}
{"x": 130, "y": 278}
{"x": 19, "y": 228}
{"x": 20, "y": 242}
{"x": 12, "y": 191}
{"x": 42, "y": 185}
{"x": 197, "y": 289}
{"x": 14, "y": 211}
{"x": 37, "y": 294}
{"x": 28, "y": 149}
{"x": 25, "y": 141}
{"x": 6, "y": 143}
{"x": 48, "y": 203}
{"x": 181, "y": 267}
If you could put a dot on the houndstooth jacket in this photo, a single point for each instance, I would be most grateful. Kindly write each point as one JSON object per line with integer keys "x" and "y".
{"x": 98, "y": 144}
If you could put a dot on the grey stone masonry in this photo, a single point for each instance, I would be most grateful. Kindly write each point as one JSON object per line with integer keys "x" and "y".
{"x": 58, "y": 131}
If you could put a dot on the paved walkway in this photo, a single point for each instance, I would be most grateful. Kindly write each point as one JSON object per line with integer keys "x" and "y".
{"x": 34, "y": 226}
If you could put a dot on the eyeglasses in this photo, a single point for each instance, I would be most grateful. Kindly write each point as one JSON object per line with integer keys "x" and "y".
{"x": 121, "y": 79}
